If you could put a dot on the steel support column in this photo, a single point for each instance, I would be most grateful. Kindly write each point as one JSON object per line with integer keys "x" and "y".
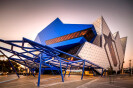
{"x": 93, "y": 71}
{"x": 70, "y": 71}
{"x": 32, "y": 71}
{"x": 52, "y": 71}
{"x": 102, "y": 73}
{"x": 83, "y": 70}
{"x": 25, "y": 71}
{"x": 105, "y": 72}
{"x": 61, "y": 72}
{"x": 29, "y": 71}
{"x": 38, "y": 84}
{"x": 65, "y": 70}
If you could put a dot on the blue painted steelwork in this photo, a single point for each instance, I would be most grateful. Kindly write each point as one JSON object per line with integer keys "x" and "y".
{"x": 102, "y": 73}
{"x": 83, "y": 69}
{"x": 50, "y": 57}
{"x": 93, "y": 71}
{"x": 70, "y": 71}
{"x": 14, "y": 68}
{"x": 105, "y": 72}
{"x": 65, "y": 70}
{"x": 61, "y": 72}
{"x": 32, "y": 72}
{"x": 26, "y": 71}
{"x": 38, "y": 84}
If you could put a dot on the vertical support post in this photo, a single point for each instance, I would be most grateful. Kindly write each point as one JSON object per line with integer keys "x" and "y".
{"x": 105, "y": 72}
{"x": 65, "y": 70}
{"x": 83, "y": 70}
{"x": 61, "y": 72}
{"x": 13, "y": 68}
{"x": 29, "y": 71}
{"x": 102, "y": 72}
{"x": 32, "y": 71}
{"x": 70, "y": 71}
{"x": 22, "y": 44}
{"x": 38, "y": 84}
{"x": 130, "y": 67}
{"x": 93, "y": 71}
{"x": 58, "y": 71}
{"x": 52, "y": 71}
{"x": 26, "y": 71}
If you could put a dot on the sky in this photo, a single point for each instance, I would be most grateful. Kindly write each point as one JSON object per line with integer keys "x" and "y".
{"x": 26, "y": 18}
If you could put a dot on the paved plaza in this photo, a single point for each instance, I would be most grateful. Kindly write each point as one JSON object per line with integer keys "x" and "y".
{"x": 74, "y": 81}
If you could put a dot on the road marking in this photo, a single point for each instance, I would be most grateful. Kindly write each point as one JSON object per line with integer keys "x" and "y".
{"x": 8, "y": 80}
{"x": 47, "y": 85}
{"x": 86, "y": 84}
{"x": 52, "y": 78}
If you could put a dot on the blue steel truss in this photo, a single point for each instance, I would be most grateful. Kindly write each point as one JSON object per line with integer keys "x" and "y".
{"x": 34, "y": 55}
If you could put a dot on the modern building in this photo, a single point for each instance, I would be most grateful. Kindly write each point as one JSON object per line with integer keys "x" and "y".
{"x": 93, "y": 42}
{"x": 81, "y": 48}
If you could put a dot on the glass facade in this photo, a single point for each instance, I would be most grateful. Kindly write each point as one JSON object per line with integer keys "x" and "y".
{"x": 89, "y": 35}
{"x": 72, "y": 51}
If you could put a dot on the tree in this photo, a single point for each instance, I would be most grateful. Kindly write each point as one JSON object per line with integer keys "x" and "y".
{"x": 5, "y": 66}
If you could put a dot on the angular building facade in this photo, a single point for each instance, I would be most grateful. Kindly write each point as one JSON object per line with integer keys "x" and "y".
{"x": 93, "y": 42}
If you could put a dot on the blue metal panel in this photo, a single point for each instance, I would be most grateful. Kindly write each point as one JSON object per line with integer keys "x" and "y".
{"x": 37, "y": 39}
{"x": 57, "y": 29}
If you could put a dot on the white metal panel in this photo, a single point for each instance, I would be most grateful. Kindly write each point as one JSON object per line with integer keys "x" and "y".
{"x": 94, "y": 54}
{"x": 119, "y": 49}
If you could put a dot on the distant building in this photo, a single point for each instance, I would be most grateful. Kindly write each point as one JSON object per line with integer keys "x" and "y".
{"x": 93, "y": 42}
{"x": 2, "y": 57}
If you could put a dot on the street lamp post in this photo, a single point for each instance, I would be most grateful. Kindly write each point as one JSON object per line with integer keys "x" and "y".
{"x": 130, "y": 67}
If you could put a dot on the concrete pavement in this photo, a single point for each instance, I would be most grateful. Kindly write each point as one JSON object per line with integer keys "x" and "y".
{"x": 74, "y": 81}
